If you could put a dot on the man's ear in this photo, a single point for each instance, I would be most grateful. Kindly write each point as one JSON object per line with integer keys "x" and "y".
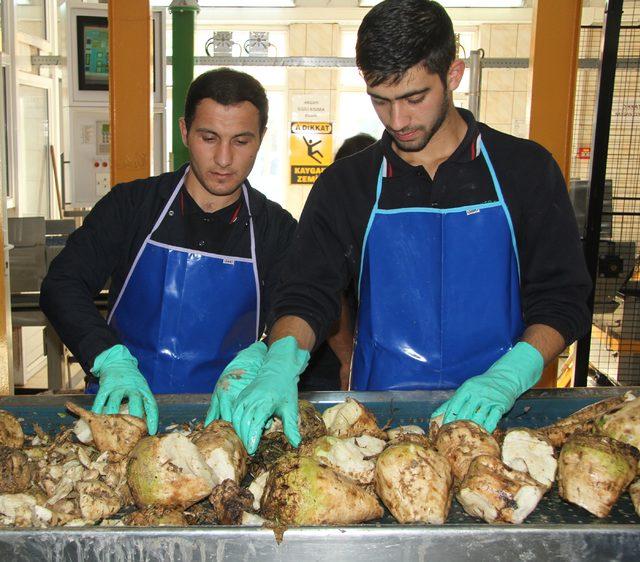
{"x": 183, "y": 131}
{"x": 455, "y": 73}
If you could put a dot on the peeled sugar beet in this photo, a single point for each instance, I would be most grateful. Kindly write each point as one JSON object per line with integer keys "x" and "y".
{"x": 11, "y": 434}
{"x": 594, "y": 470}
{"x": 168, "y": 470}
{"x": 15, "y": 471}
{"x": 415, "y": 483}
{"x": 113, "y": 432}
{"x": 530, "y": 451}
{"x": 583, "y": 420}
{"x": 622, "y": 423}
{"x": 368, "y": 445}
{"x": 300, "y": 491}
{"x": 222, "y": 450}
{"x": 404, "y": 430}
{"x": 257, "y": 489}
{"x": 351, "y": 419}
{"x": 496, "y": 493}
{"x": 415, "y": 438}
{"x": 463, "y": 440}
{"x": 343, "y": 456}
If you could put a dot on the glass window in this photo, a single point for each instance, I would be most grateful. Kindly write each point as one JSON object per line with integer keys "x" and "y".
{"x": 4, "y": 155}
{"x": 349, "y": 76}
{"x": 269, "y": 172}
{"x": 1, "y": 26}
{"x": 33, "y": 115}
{"x": 31, "y": 16}
{"x": 355, "y": 115}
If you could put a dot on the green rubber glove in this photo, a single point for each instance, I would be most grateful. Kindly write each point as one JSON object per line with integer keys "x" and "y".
{"x": 233, "y": 380}
{"x": 274, "y": 391}
{"x": 485, "y": 398}
{"x": 119, "y": 377}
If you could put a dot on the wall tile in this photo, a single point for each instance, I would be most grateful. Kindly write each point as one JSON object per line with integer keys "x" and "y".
{"x": 504, "y": 40}
{"x": 521, "y": 80}
{"x": 484, "y": 38}
{"x": 483, "y": 107}
{"x": 296, "y": 78}
{"x": 318, "y": 79}
{"x": 499, "y": 107}
{"x": 297, "y": 40}
{"x": 319, "y": 40}
{"x": 335, "y": 46}
{"x": 520, "y": 111}
{"x": 523, "y": 47}
{"x": 497, "y": 79}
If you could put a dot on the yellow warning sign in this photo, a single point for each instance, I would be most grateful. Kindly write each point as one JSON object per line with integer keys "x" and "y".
{"x": 311, "y": 150}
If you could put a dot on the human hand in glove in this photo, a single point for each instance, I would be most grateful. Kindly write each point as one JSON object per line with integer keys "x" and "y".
{"x": 233, "y": 380}
{"x": 274, "y": 391}
{"x": 120, "y": 378}
{"x": 485, "y": 398}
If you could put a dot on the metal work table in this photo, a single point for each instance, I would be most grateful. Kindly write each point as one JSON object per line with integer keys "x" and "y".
{"x": 554, "y": 531}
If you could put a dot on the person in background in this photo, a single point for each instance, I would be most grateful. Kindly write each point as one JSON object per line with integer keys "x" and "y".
{"x": 461, "y": 240}
{"x": 330, "y": 365}
{"x": 193, "y": 257}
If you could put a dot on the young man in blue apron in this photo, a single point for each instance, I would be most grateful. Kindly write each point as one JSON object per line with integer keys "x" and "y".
{"x": 193, "y": 257}
{"x": 461, "y": 239}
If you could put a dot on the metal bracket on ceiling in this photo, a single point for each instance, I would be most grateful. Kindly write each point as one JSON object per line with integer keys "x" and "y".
{"x": 47, "y": 60}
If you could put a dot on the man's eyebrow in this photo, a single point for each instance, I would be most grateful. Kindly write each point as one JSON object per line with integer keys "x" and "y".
{"x": 403, "y": 96}
{"x": 212, "y": 132}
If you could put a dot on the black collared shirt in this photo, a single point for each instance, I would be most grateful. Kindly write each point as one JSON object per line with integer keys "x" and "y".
{"x": 188, "y": 226}
{"x": 106, "y": 245}
{"x": 327, "y": 248}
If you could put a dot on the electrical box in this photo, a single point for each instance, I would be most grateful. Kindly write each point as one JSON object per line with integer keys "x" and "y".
{"x": 90, "y": 155}
{"x": 88, "y": 135}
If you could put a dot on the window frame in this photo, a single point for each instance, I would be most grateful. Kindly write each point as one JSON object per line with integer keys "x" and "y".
{"x": 45, "y": 83}
{"x": 45, "y": 43}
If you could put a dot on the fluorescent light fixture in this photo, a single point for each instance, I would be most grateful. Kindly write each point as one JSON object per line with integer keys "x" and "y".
{"x": 235, "y": 3}
{"x": 464, "y": 3}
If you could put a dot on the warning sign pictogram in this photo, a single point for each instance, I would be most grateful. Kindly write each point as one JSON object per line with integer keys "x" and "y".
{"x": 311, "y": 150}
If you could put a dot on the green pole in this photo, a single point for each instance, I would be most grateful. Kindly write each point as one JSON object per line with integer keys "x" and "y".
{"x": 184, "y": 22}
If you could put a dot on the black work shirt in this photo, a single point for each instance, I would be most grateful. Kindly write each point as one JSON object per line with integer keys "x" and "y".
{"x": 197, "y": 229}
{"x": 327, "y": 247}
{"x": 107, "y": 243}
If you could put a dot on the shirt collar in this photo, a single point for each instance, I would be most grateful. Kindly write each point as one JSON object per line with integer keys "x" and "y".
{"x": 466, "y": 151}
{"x": 190, "y": 207}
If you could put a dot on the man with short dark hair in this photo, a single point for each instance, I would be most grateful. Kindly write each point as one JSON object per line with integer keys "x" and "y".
{"x": 193, "y": 257}
{"x": 461, "y": 239}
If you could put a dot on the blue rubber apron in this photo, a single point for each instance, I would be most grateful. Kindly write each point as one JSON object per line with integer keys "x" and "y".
{"x": 439, "y": 294}
{"x": 185, "y": 314}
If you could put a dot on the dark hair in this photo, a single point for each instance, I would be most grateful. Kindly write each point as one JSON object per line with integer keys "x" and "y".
{"x": 354, "y": 144}
{"x": 227, "y": 87}
{"x": 398, "y": 34}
